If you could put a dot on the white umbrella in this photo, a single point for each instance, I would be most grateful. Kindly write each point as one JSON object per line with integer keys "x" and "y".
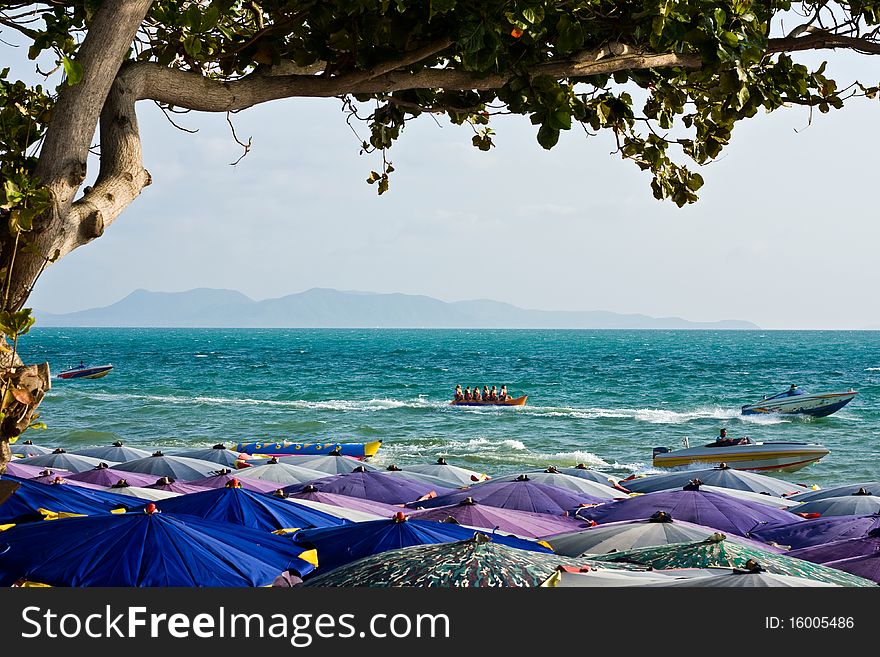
{"x": 284, "y": 474}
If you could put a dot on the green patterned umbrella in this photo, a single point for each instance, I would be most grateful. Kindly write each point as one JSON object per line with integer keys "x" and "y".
{"x": 715, "y": 551}
{"x": 475, "y": 562}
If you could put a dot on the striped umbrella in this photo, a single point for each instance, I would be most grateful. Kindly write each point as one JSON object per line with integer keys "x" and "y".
{"x": 715, "y": 551}
{"x": 474, "y": 562}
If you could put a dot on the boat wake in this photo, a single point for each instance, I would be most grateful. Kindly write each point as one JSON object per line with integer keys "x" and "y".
{"x": 652, "y": 415}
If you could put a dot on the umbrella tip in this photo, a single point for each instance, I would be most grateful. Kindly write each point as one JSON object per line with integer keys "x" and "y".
{"x": 393, "y": 468}
{"x": 480, "y": 538}
{"x": 552, "y": 469}
{"x": 661, "y": 516}
{"x": 862, "y": 491}
{"x": 400, "y": 516}
{"x": 279, "y": 492}
{"x": 468, "y": 501}
{"x": 158, "y": 453}
{"x": 272, "y": 461}
{"x": 693, "y": 484}
{"x": 442, "y": 461}
{"x": 723, "y": 466}
{"x": 361, "y": 468}
{"x": 581, "y": 466}
{"x": 117, "y": 443}
{"x": 751, "y": 566}
{"x": 101, "y": 466}
{"x": 523, "y": 477}
{"x": 233, "y": 483}
{"x": 150, "y": 509}
{"x": 219, "y": 446}
{"x": 716, "y": 537}
{"x": 122, "y": 483}
{"x": 59, "y": 450}
{"x": 164, "y": 481}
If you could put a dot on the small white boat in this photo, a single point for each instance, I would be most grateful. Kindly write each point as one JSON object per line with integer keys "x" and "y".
{"x": 796, "y": 401}
{"x": 753, "y": 456}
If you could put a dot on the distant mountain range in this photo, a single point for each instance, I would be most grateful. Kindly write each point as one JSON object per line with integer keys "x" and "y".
{"x": 325, "y": 308}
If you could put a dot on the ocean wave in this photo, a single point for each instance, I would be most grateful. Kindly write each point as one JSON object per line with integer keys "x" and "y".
{"x": 872, "y": 369}
{"x": 649, "y": 415}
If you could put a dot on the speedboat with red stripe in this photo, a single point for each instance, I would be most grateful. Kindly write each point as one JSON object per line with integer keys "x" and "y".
{"x": 82, "y": 371}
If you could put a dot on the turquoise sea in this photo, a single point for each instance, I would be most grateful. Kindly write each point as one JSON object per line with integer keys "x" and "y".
{"x": 603, "y": 397}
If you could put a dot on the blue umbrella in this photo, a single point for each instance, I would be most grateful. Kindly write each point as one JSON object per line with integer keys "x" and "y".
{"x": 340, "y": 545}
{"x": 24, "y": 504}
{"x": 249, "y": 509}
{"x": 802, "y": 534}
{"x": 146, "y": 549}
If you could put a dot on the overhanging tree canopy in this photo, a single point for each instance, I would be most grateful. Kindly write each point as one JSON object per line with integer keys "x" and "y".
{"x": 697, "y": 66}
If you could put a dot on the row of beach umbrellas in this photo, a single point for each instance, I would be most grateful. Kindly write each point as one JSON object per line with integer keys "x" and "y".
{"x": 370, "y": 525}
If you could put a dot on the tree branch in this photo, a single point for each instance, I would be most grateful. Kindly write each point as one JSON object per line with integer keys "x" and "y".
{"x": 820, "y": 40}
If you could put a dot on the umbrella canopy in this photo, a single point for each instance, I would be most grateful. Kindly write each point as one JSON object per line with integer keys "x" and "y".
{"x": 519, "y": 493}
{"x": 377, "y": 486}
{"x": 17, "y": 469}
{"x": 174, "y": 486}
{"x": 151, "y": 494}
{"x": 249, "y": 509}
{"x": 341, "y": 545}
{"x": 341, "y": 512}
{"x": 282, "y": 474}
{"x": 24, "y": 448}
{"x": 584, "y": 471}
{"x": 145, "y": 549}
{"x": 716, "y": 551}
{"x": 453, "y": 475}
{"x": 591, "y": 576}
{"x": 474, "y": 561}
{"x": 117, "y": 452}
{"x": 862, "y": 552}
{"x": 329, "y": 464}
{"x": 872, "y": 487}
{"x": 758, "y": 498}
{"x": 816, "y": 531}
{"x": 59, "y": 459}
{"x": 855, "y": 504}
{"x": 522, "y": 523}
{"x": 722, "y": 476}
{"x": 25, "y": 504}
{"x": 50, "y": 477}
{"x": 217, "y": 454}
{"x": 577, "y": 485}
{"x": 736, "y": 578}
{"x": 176, "y": 467}
{"x": 103, "y": 475}
{"x": 716, "y": 510}
{"x": 225, "y": 475}
{"x": 310, "y": 492}
{"x": 660, "y": 529}
{"x": 405, "y": 473}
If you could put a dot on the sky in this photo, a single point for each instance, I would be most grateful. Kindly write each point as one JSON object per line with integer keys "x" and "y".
{"x": 785, "y": 234}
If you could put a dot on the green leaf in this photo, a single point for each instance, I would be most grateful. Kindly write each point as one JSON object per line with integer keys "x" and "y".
{"x": 73, "y": 70}
{"x": 548, "y": 137}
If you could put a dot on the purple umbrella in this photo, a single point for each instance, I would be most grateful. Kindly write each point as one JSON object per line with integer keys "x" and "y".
{"x": 376, "y": 486}
{"x": 522, "y": 523}
{"x": 520, "y": 493}
{"x": 25, "y": 471}
{"x": 46, "y": 476}
{"x": 182, "y": 487}
{"x": 715, "y": 510}
{"x": 859, "y": 556}
{"x": 225, "y": 475}
{"x": 801, "y": 534}
{"x": 104, "y": 475}
{"x": 309, "y": 492}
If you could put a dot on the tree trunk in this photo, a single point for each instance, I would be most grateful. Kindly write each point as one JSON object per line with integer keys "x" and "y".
{"x": 23, "y": 388}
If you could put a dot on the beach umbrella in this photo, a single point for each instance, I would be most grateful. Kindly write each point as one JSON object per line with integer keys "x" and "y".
{"x": 117, "y": 452}
{"x": 584, "y": 471}
{"x": 341, "y": 512}
{"x": 16, "y": 469}
{"x": 592, "y": 576}
{"x": 453, "y": 475}
{"x": 282, "y": 474}
{"x": 182, "y": 468}
{"x": 337, "y": 546}
{"x": 103, "y": 475}
{"x": 575, "y": 484}
{"x": 859, "y": 556}
{"x": 174, "y": 486}
{"x": 716, "y": 551}
{"x": 660, "y": 529}
{"x": 360, "y": 504}
{"x": 476, "y": 561}
{"x": 34, "y": 501}
{"x": 377, "y": 486}
{"x": 522, "y": 523}
{"x": 759, "y": 498}
{"x": 737, "y": 578}
{"x": 435, "y": 482}
{"x": 146, "y": 549}
{"x": 866, "y": 566}
{"x": 329, "y": 464}
{"x": 872, "y": 487}
{"x": 122, "y": 487}
{"x": 860, "y": 503}
{"x": 49, "y": 476}
{"x": 719, "y": 511}
{"x": 225, "y": 475}
{"x": 217, "y": 454}
{"x": 25, "y": 448}
{"x": 722, "y": 476}
{"x": 59, "y": 459}
{"x": 519, "y": 493}
{"x": 249, "y": 509}
{"x": 816, "y": 531}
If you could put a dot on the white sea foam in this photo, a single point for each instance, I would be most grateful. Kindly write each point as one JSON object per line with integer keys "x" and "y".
{"x": 649, "y": 415}
{"x": 872, "y": 369}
